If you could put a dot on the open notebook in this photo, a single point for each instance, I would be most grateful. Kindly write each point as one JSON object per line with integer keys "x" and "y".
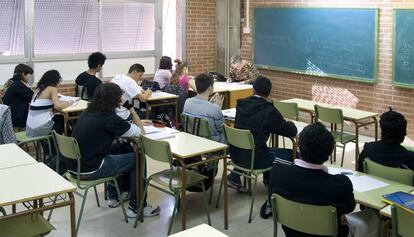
{"x": 65, "y": 98}
{"x": 157, "y": 133}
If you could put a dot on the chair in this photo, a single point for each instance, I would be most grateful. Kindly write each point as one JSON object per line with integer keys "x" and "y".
{"x": 402, "y": 222}
{"x": 23, "y": 139}
{"x": 168, "y": 181}
{"x": 69, "y": 148}
{"x": 288, "y": 110}
{"x": 306, "y": 218}
{"x": 82, "y": 92}
{"x": 243, "y": 139}
{"x": 335, "y": 117}
{"x": 399, "y": 175}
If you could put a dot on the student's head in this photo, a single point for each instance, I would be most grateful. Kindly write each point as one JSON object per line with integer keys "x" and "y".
{"x": 96, "y": 61}
{"x": 23, "y": 72}
{"x": 262, "y": 86}
{"x": 180, "y": 69}
{"x": 316, "y": 143}
{"x": 393, "y": 127}
{"x": 136, "y": 71}
{"x": 50, "y": 78}
{"x": 165, "y": 63}
{"x": 106, "y": 98}
{"x": 204, "y": 83}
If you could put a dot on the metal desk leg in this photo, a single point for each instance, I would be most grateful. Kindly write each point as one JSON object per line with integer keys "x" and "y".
{"x": 225, "y": 194}
{"x": 72, "y": 215}
{"x": 183, "y": 193}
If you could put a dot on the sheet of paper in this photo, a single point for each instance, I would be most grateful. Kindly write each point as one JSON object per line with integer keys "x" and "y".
{"x": 337, "y": 170}
{"x": 151, "y": 129}
{"x": 160, "y": 135}
{"x": 65, "y": 98}
{"x": 364, "y": 183}
{"x": 229, "y": 113}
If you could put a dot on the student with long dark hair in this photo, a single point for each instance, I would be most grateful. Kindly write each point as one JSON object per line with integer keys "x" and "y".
{"x": 17, "y": 94}
{"x": 163, "y": 73}
{"x": 41, "y": 119}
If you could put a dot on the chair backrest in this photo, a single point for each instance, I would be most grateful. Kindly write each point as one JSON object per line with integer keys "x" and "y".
{"x": 196, "y": 126}
{"x": 242, "y": 139}
{"x": 156, "y": 150}
{"x": 330, "y": 115}
{"x": 399, "y": 175}
{"x": 310, "y": 219}
{"x": 402, "y": 222}
{"x": 288, "y": 110}
{"x": 82, "y": 92}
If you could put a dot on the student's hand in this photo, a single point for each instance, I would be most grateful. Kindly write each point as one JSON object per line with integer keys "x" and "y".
{"x": 149, "y": 92}
{"x": 217, "y": 99}
{"x": 146, "y": 122}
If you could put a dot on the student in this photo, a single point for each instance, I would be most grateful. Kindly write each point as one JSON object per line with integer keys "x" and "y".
{"x": 181, "y": 75}
{"x": 200, "y": 106}
{"x": 388, "y": 151}
{"x": 308, "y": 181}
{"x": 163, "y": 73}
{"x": 128, "y": 84}
{"x": 242, "y": 71}
{"x": 175, "y": 85}
{"x": 88, "y": 78}
{"x": 257, "y": 114}
{"x": 41, "y": 119}
{"x": 18, "y": 94}
{"x": 95, "y": 131}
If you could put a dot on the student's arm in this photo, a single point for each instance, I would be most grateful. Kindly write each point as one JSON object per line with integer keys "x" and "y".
{"x": 346, "y": 201}
{"x": 280, "y": 126}
{"x": 361, "y": 159}
{"x": 191, "y": 84}
{"x": 219, "y": 121}
{"x": 24, "y": 91}
{"x": 137, "y": 121}
{"x": 144, "y": 95}
{"x": 57, "y": 104}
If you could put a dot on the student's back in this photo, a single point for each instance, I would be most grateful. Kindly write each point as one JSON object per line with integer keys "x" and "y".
{"x": 88, "y": 78}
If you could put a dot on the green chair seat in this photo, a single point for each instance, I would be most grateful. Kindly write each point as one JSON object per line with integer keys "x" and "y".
{"x": 247, "y": 170}
{"x": 21, "y": 137}
{"x": 87, "y": 183}
{"x": 163, "y": 177}
{"x": 25, "y": 226}
{"x": 346, "y": 137}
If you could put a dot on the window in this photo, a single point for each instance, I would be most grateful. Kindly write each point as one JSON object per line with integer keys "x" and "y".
{"x": 12, "y": 27}
{"x": 128, "y": 26}
{"x": 172, "y": 28}
{"x": 64, "y": 27}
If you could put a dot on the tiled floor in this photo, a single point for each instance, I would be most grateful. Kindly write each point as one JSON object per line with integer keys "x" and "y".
{"x": 104, "y": 221}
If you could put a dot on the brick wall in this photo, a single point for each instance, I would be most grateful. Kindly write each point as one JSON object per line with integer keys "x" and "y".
{"x": 201, "y": 35}
{"x": 372, "y": 97}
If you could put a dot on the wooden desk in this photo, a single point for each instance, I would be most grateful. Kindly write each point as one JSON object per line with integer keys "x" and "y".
{"x": 73, "y": 112}
{"x": 34, "y": 182}
{"x": 359, "y": 118}
{"x": 11, "y": 155}
{"x": 201, "y": 230}
{"x": 160, "y": 98}
{"x": 386, "y": 211}
{"x": 180, "y": 151}
{"x": 232, "y": 92}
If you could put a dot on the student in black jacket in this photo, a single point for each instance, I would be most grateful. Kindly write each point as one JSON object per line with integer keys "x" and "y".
{"x": 388, "y": 151}
{"x": 257, "y": 114}
{"x": 308, "y": 181}
{"x": 88, "y": 78}
{"x": 17, "y": 94}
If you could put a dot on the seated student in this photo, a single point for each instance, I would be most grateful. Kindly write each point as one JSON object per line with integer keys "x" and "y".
{"x": 88, "y": 78}
{"x": 257, "y": 114}
{"x": 200, "y": 106}
{"x": 163, "y": 73}
{"x": 129, "y": 86}
{"x": 184, "y": 80}
{"x": 242, "y": 71}
{"x": 308, "y": 181}
{"x": 18, "y": 94}
{"x": 388, "y": 151}
{"x": 95, "y": 131}
{"x": 175, "y": 86}
{"x": 41, "y": 119}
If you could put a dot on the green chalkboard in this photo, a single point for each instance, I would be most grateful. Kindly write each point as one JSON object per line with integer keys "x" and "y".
{"x": 328, "y": 42}
{"x": 403, "y": 52}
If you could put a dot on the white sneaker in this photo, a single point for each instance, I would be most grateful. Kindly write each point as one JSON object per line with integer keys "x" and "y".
{"x": 148, "y": 211}
{"x": 113, "y": 203}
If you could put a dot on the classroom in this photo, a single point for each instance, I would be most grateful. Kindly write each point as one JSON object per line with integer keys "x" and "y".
{"x": 238, "y": 118}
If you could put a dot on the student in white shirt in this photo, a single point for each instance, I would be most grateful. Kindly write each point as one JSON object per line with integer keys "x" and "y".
{"x": 129, "y": 86}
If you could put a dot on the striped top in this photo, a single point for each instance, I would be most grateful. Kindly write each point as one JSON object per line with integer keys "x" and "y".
{"x": 39, "y": 121}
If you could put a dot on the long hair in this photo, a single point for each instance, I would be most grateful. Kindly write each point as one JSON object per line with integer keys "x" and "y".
{"x": 179, "y": 69}
{"x": 106, "y": 98}
{"x": 50, "y": 78}
{"x": 165, "y": 63}
{"x": 22, "y": 69}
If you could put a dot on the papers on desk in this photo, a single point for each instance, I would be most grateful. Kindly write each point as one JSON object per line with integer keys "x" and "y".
{"x": 337, "y": 170}
{"x": 361, "y": 183}
{"x": 157, "y": 133}
{"x": 72, "y": 99}
{"x": 151, "y": 129}
{"x": 229, "y": 113}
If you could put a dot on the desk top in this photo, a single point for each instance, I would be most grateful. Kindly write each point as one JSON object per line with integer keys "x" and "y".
{"x": 201, "y": 230}
{"x": 386, "y": 211}
{"x": 373, "y": 198}
{"x": 185, "y": 145}
{"x": 160, "y": 95}
{"x": 235, "y": 86}
{"x": 81, "y": 105}
{"x": 29, "y": 182}
{"x": 12, "y": 155}
{"x": 349, "y": 113}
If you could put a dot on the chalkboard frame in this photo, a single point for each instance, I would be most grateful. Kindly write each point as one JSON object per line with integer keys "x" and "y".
{"x": 328, "y": 75}
{"x": 394, "y": 33}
